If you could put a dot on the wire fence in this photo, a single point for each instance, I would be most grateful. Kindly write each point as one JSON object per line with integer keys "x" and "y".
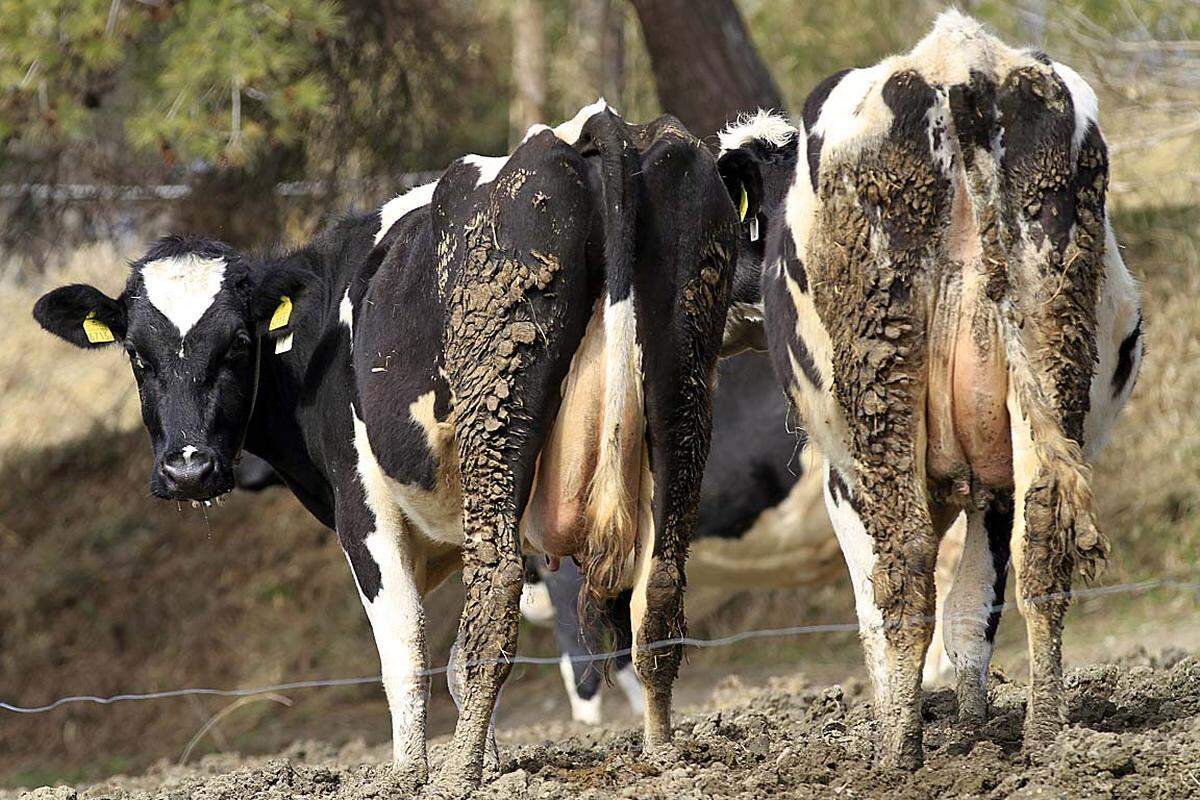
{"x": 686, "y": 641}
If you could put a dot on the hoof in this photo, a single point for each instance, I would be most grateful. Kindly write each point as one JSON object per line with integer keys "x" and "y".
{"x": 409, "y": 778}
{"x": 971, "y": 694}
{"x": 491, "y": 763}
{"x": 972, "y": 708}
{"x": 664, "y": 755}
{"x": 451, "y": 787}
{"x": 1039, "y": 737}
{"x": 905, "y": 753}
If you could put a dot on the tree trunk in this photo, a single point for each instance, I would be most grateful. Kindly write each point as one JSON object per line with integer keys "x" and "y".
{"x": 601, "y": 25}
{"x": 528, "y": 104}
{"x": 706, "y": 68}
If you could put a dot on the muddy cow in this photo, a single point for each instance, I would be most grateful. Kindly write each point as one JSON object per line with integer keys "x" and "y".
{"x": 747, "y": 490}
{"x": 761, "y": 524}
{"x": 522, "y": 349}
{"x": 946, "y": 304}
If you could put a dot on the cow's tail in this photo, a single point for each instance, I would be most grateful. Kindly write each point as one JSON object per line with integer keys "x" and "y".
{"x": 612, "y": 495}
{"x": 1036, "y": 309}
{"x": 1060, "y": 495}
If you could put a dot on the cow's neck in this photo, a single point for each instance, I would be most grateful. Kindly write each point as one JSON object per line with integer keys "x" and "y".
{"x": 301, "y": 423}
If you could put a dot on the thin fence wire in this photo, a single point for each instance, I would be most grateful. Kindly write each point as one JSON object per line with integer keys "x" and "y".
{"x": 687, "y": 641}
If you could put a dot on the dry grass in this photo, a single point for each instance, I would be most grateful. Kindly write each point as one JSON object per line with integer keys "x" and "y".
{"x": 1149, "y": 476}
{"x": 50, "y": 391}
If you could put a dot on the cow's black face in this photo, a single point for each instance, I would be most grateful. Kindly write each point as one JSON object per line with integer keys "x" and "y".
{"x": 191, "y": 319}
{"x": 757, "y": 165}
{"x": 758, "y": 175}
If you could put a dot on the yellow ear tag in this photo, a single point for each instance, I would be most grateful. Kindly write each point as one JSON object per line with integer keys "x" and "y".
{"x": 282, "y": 314}
{"x": 97, "y": 332}
{"x": 743, "y": 206}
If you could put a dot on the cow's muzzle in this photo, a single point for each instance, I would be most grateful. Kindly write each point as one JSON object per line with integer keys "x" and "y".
{"x": 191, "y": 474}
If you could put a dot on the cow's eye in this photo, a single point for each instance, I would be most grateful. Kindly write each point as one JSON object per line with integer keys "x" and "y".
{"x": 239, "y": 347}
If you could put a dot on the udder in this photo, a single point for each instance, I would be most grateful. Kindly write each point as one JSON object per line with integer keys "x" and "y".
{"x": 969, "y": 438}
{"x": 555, "y": 518}
{"x": 980, "y": 385}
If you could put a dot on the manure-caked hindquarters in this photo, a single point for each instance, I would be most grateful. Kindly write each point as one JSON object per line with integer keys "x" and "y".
{"x": 685, "y": 258}
{"x": 1053, "y": 178}
{"x": 877, "y": 236}
{"x": 516, "y": 302}
{"x": 966, "y": 179}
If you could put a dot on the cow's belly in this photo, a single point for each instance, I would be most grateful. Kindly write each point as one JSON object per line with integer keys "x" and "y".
{"x": 433, "y": 513}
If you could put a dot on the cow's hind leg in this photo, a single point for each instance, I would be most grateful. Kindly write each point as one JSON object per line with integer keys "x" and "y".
{"x": 456, "y": 682}
{"x": 971, "y": 612}
{"x": 877, "y": 246}
{"x": 517, "y": 313}
{"x": 1053, "y": 208}
{"x": 678, "y": 366}
{"x": 888, "y": 528}
{"x": 656, "y": 617}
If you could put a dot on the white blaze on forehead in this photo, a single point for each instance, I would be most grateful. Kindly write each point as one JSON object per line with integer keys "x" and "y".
{"x": 1087, "y": 107}
{"x": 400, "y": 205}
{"x": 765, "y": 126}
{"x": 489, "y": 166}
{"x": 183, "y": 287}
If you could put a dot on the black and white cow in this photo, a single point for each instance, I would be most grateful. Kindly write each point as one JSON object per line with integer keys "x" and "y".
{"x": 947, "y": 306}
{"x": 521, "y": 350}
{"x": 750, "y": 470}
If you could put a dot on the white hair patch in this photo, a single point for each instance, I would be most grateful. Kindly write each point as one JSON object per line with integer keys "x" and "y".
{"x": 183, "y": 287}
{"x": 765, "y": 126}
{"x": 571, "y": 130}
{"x": 1083, "y": 97}
{"x": 346, "y": 312}
{"x": 839, "y": 120}
{"x": 400, "y": 205}
{"x": 489, "y": 167}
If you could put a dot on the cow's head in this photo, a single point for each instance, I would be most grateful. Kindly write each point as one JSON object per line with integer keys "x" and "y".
{"x": 192, "y": 319}
{"x": 757, "y": 164}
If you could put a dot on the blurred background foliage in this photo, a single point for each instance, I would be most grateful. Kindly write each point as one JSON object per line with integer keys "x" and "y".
{"x": 282, "y": 111}
{"x": 254, "y": 120}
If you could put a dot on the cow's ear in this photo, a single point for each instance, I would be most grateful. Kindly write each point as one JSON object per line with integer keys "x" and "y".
{"x": 743, "y": 180}
{"x": 83, "y": 315}
{"x": 277, "y": 288}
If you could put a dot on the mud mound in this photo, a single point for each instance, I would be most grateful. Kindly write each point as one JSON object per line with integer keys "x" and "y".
{"x": 1134, "y": 732}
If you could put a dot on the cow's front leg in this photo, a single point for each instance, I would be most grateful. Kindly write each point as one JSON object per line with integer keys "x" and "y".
{"x": 378, "y": 546}
{"x": 971, "y": 611}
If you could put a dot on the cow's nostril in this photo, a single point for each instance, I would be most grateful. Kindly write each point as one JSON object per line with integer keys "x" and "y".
{"x": 174, "y": 469}
{"x": 203, "y": 465}
{"x": 188, "y": 469}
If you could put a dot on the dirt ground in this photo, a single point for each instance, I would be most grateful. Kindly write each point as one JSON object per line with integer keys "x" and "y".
{"x": 1134, "y": 732}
